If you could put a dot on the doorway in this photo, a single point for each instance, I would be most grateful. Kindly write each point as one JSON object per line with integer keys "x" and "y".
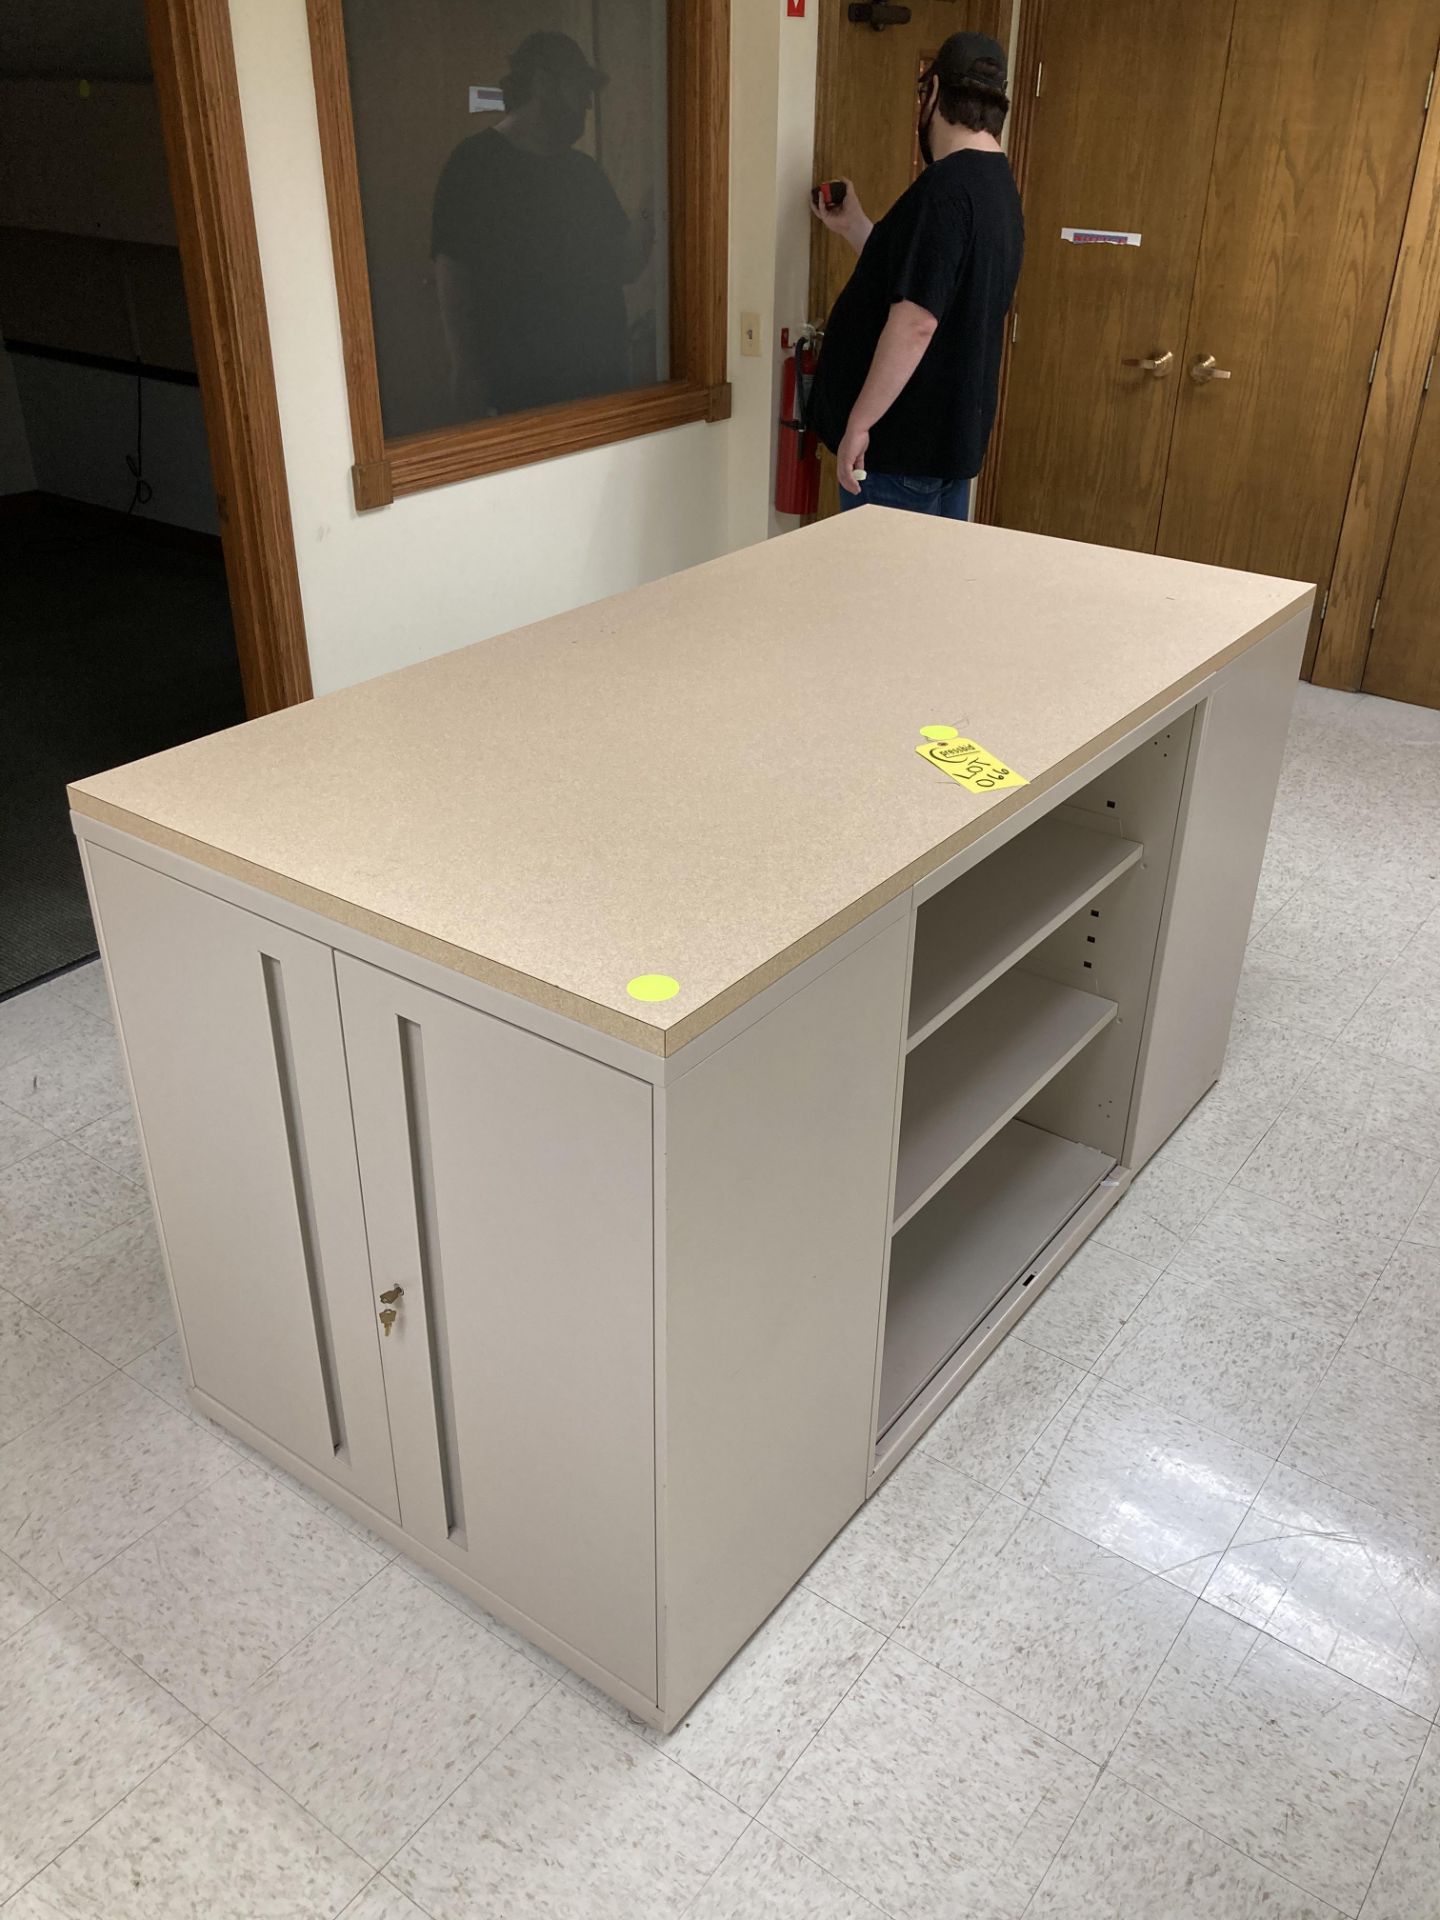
{"x": 149, "y": 591}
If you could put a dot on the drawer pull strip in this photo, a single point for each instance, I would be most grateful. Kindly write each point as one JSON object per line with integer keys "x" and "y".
{"x": 304, "y": 1201}
{"x": 432, "y": 1281}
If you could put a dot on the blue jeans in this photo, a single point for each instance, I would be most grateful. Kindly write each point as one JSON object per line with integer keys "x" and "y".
{"x": 911, "y": 493}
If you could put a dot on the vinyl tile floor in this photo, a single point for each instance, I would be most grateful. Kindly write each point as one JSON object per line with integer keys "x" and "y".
{"x": 1147, "y": 1628}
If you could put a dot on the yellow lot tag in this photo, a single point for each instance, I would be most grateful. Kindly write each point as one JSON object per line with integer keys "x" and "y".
{"x": 968, "y": 762}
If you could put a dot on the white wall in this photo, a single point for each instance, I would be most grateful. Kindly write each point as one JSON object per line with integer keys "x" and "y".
{"x": 17, "y": 471}
{"x": 460, "y": 563}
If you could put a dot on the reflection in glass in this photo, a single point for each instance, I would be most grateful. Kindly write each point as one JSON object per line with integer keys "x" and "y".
{"x": 513, "y": 164}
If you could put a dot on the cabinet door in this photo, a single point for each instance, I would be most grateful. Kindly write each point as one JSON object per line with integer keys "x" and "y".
{"x": 231, "y": 1028}
{"x": 507, "y": 1187}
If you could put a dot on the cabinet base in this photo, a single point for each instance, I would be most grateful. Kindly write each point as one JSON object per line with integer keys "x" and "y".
{"x": 395, "y": 1536}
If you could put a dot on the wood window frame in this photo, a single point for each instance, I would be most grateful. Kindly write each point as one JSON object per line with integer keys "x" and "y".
{"x": 388, "y": 467}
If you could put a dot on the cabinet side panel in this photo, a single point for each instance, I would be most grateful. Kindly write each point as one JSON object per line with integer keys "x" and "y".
{"x": 231, "y": 1030}
{"x": 777, "y": 1152}
{"x": 1225, "y": 817}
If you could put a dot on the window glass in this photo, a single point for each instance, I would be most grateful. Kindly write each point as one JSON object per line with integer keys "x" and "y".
{"x": 513, "y": 169}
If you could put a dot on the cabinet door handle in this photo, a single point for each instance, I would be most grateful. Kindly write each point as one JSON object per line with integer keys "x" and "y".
{"x": 1157, "y": 365}
{"x": 1205, "y": 369}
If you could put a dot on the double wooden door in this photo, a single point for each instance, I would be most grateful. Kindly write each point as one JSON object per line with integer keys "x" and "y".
{"x": 1199, "y": 387}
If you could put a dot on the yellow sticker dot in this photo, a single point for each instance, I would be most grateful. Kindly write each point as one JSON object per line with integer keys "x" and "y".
{"x": 653, "y": 986}
{"x": 939, "y": 733}
{"x": 84, "y": 89}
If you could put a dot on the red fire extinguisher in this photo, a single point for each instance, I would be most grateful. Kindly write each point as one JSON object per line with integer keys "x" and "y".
{"x": 797, "y": 465}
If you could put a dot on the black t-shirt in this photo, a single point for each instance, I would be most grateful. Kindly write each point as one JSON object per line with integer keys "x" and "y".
{"x": 951, "y": 243}
{"x": 542, "y": 238}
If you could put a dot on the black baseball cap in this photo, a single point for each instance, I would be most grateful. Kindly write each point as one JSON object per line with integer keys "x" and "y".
{"x": 552, "y": 53}
{"x": 971, "y": 58}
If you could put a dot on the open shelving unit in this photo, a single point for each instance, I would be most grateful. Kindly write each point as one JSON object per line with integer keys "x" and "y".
{"x": 970, "y": 1245}
{"x": 978, "y": 1071}
{"x": 1030, "y": 976}
{"x": 991, "y": 917}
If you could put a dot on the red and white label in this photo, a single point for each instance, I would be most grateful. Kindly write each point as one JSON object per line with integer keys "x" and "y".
{"x": 794, "y": 9}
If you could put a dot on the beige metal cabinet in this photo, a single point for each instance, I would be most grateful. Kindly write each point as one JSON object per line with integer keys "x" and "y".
{"x": 613, "y": 1310}
{"x": 507, "y": 1186}
{"x": 231, "y": 1028}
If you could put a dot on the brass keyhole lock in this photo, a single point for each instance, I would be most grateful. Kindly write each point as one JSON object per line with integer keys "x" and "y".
{"x": 390, "y": 1311}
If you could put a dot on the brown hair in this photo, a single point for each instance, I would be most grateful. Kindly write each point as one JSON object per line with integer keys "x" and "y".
{"x": 979, "y": 101}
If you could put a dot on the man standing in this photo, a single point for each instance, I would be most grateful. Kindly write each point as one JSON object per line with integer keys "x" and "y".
{"x": 532, "y": 249}
{"x": 904, "y": 394}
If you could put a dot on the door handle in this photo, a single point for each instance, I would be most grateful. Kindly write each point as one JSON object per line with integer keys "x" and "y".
{"x": 1159, "y": 366}
{"x": 1205, "y": 369}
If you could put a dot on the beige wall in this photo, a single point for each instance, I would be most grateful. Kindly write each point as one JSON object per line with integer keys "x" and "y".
{"x": 460, "y": 563}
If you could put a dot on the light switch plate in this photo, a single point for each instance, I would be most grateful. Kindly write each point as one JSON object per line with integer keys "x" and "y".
{"x": 750, "y": 335}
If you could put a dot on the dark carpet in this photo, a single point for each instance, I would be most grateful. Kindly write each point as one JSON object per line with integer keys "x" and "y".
{"x": 112, "y": 645}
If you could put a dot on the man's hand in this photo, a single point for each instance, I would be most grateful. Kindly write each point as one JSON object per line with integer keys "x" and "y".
{"x": 850, "y": 456}
{"x": 849, "y": 219}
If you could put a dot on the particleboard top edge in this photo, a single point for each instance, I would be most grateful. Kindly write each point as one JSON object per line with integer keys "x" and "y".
{"x": 711, "y": 777}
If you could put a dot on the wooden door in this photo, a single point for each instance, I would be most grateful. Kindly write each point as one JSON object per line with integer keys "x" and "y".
{"x": 865, "y": 124}
{"x": 1404, "y": 658}
{"x": 231, "y": 1028}
{"x": 1319, "y": 134}
{"x": 507, "y": 1186}
{"x": 1120, "y": 141}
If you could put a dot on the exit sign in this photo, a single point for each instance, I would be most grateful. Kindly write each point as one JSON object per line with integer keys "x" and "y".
{"x": 794, "y": 9}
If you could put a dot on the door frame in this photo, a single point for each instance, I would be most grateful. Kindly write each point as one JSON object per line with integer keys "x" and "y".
{"x": 193, "y": 56}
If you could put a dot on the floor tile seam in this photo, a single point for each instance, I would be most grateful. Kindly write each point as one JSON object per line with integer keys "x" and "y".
{"x": 294, "y": 1648}
{"x": 1115, "y": 1553}
{"x": 1158, "y": 1406}
{"x": 149, "y": 1774}
{"x": 114, "y": 1365}
{"x": 1326, "y": 1906}
{"x": 306, "y": 1813}
{"x": 1266, "y": 1866}
{"x": 1285, "y": 1319}
{"x": 719, "y": 1867}
{"x": 888, "y": 1633}
{"x": 26, "y": 1119}
{"x": 380, "y": 1879}
{"x": 1090, "y": 1794}
{"x": 1043, "y": 1733}
{"x": 206, "y": 1719}
{"x": 575, "y": 1685}
{"x": 71, "y": 1141}
{"x": 1266, "y": 1633}
{"x": 815, "y": 1733}
{"x": 469, "y": 1774}
{"x": 310, "y": 1813}
{"x": 159, "y": 1521}
{"x": 886, "y": 1913}
{"x": 51, "y": 1600}
{"x": 1399, "y": 1809}
{"x": 142, "y": 1203}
